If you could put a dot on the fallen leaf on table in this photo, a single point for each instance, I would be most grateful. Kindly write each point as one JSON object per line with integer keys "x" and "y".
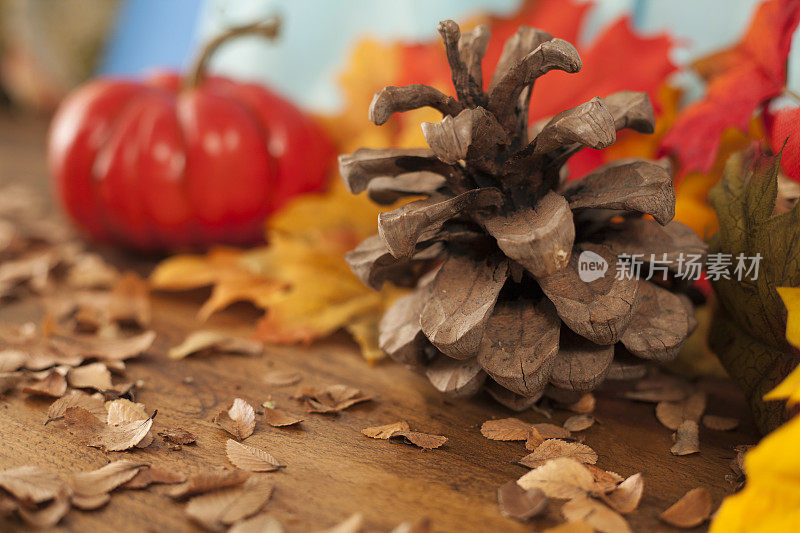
{"x": 250, "y": 458}
{"x": 213, "y": 341}
{"x": 128, "y": 302}
{"x": 54, "y": 384}
{"x": 560, "y": 478}
{"x": 578, "y": 422}
{"x": 384, "y": 432}
{"x": 92, "y": 376}
{"x": 123, "y": 436}
{"x": 553, "y": 448}
{"x": 604, "y": 480}
{"x": 520, "y": 504}
{"x": 262, "y": 523}
{"x": 152, "y": 475}
{"x": 83, "y": 424}
{"x": 122, "y": 411}
{"x": 595, "y": 514}
{"x": 552, "y": 431}
{"x": 224, "y": 507}
{"x": 687, "y": 439}
{"x": 720, "y": 423}
{"x": 691, "y": 510}
{"x": 94, "y": 404}
{"x": 239, "y": 420}
{"x": 672, "y": 414}
{"x": 105, "y": 479}
{"x": 506, "y": 429}
{"x": 278, "y": 378}
{"x": 31, "y": 484}
{"x": 208, "y": 481}
{"x": 279, "y": 419}
{"x": 331, "y": 399}
{"x": 177, "y": 436}
{"x": 667, "y": 394}
{"x": 426, "y": 441}
{"x": 90, "y": 503}
{"x": 626, "y": 496}
{"x": 48, "y": 515}
{"x": 352, "y": 524}
{"x": 86, "y": 346}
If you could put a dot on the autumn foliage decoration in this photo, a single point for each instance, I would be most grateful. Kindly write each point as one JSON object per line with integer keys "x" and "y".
{"x": 493, "y": 248}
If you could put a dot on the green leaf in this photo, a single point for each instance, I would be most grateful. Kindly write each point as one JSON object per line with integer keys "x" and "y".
{"x": 748, "y": 330}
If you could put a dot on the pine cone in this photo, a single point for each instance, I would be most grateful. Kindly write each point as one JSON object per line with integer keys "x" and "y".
{"x": 493, "y": 249}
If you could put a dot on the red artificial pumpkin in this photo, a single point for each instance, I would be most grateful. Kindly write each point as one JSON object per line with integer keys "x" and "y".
{"x": 170, "y": 164}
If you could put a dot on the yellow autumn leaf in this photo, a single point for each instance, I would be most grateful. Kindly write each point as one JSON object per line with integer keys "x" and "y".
{"x": 770, "y": 500}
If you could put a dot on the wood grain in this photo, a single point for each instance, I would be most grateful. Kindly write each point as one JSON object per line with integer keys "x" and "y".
{"x": 332, "y": 469}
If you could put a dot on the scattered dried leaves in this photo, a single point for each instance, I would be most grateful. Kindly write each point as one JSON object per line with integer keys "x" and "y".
{"x": 520, "y": 504}
{"x": 594, "y": 513}
{"x": 31, "y": 484}
{"x": 691, "y": 510}
{"x": 250, "y": 458}
{"x": 239, "y": 420}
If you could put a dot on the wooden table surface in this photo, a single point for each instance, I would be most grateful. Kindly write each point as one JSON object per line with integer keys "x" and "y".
{"x": 332, "y": 470}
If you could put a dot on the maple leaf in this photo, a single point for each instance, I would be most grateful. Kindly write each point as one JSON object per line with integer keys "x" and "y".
{"x": 739, "y": 80}
{"x": 770, "y": 501}
{"x": 747, "y": 331}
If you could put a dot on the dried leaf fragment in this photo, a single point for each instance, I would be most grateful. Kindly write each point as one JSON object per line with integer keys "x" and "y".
{"x": 687, "y": 439}
{"x": 206, "y": 340}
{"x": 31, "y": 484}
{"x": 720, "y": 423}
{"x": 520, "y": 504}
{"x": 578, "y": 422}
{"x": 506, "y": 429}
{"x": 250, "y": 458}
{"x": 331, "y": 399}
{"x": 594, "y": 513}
{"x": 384, "y": 432}
{"x": 178, "y": 436}
{"x": 105, "y": 479}
{"x": 92, "y": 376}
{"x": 224, "y": 507}
{"x": 262, "y": 523}
{"x": 672, "y": 414}
{"x": 691, "y": 510}
{"x": 554, "y": 448}
{"x": 239, "y": 420}
{"x": 208, "y": 481}
{"x": 278, "y": 378}
{"x": 626, "y": 497}
{"x": 54, "y": 385}
{"x": 93, "y": 404}
{"x": 277, "y": 418}
{"x": 561, "y": 478}
{"x": 552, "y": 431}
{"x": 425, "y": 441}
{"x": 154, "y": 475}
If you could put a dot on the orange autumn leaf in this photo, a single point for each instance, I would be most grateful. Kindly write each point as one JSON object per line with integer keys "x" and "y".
{"x": 739, "y": 81}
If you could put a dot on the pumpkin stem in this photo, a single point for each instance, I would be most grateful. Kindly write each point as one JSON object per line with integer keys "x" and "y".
{"x": 266, "y": 28}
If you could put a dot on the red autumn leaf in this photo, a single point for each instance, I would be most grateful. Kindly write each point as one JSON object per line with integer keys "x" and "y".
{"x": 739, "y": 81}
{"x": 785, "y": 127}
{"x": 608, "y": 62}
